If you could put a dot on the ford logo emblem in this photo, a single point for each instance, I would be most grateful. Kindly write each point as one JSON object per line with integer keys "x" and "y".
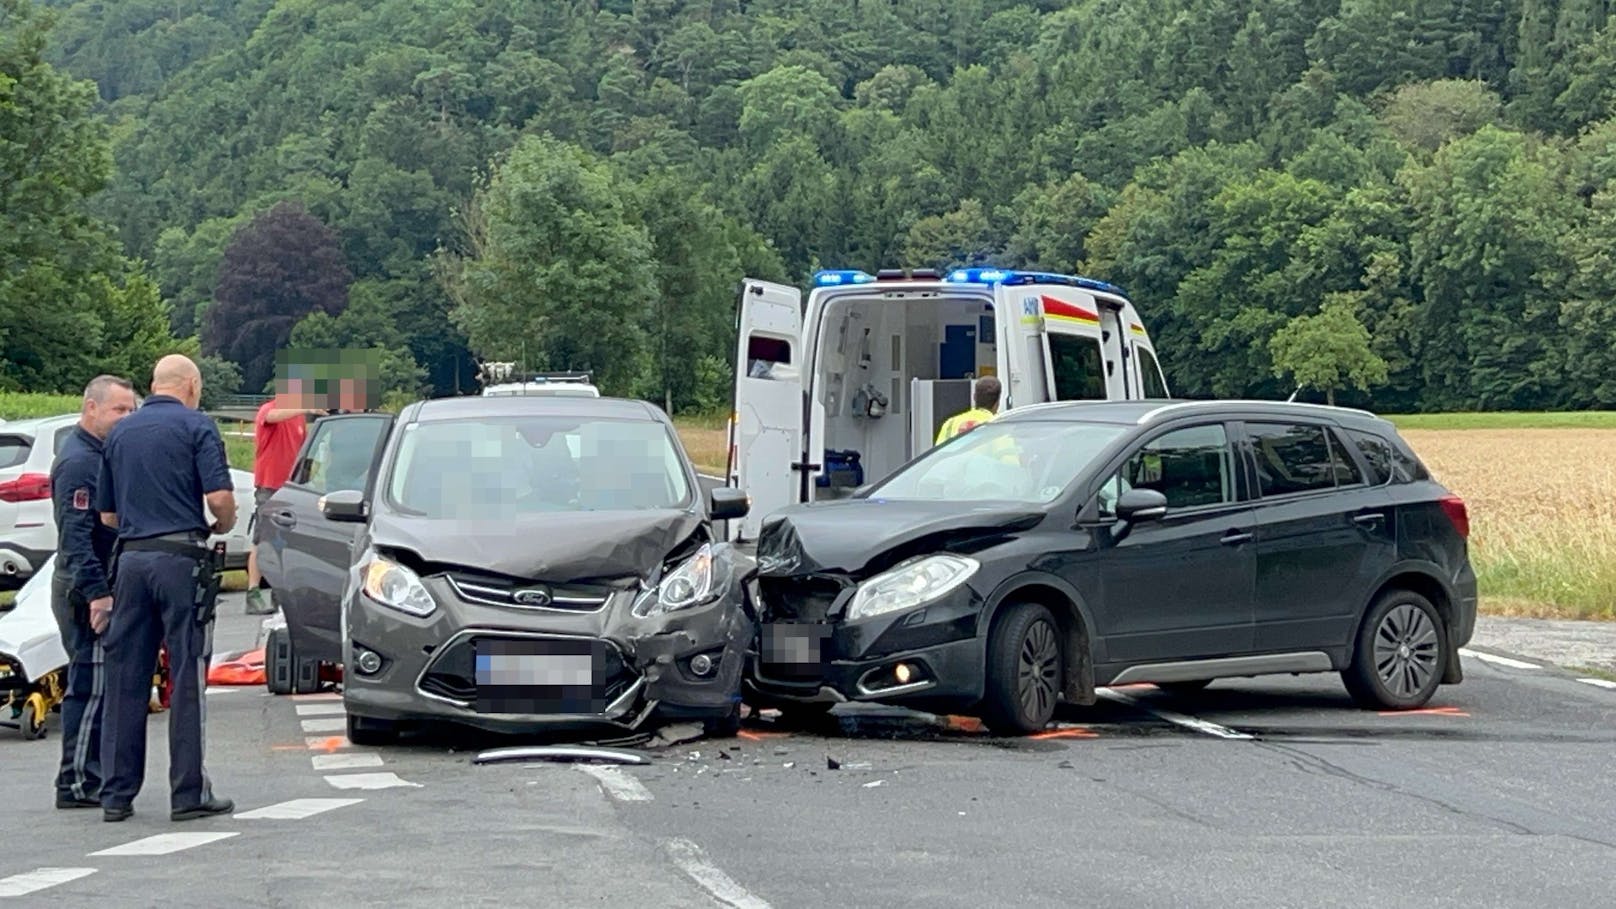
{"x": 532, "y": 597}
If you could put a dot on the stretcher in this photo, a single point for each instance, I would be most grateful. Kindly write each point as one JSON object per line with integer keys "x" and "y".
{"x": 33, "y": 662}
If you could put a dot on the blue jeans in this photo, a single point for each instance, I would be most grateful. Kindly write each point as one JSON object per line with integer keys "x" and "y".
{"x": 80, "y": 773}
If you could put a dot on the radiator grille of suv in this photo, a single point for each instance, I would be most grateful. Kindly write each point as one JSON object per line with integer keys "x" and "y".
{"x": 800, "y": 599}
{"x": 494, "y": 590}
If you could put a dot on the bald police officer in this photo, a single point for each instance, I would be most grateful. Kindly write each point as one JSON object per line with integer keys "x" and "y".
{"x": 83, "y": 549}
{"x": 160, "y": 463}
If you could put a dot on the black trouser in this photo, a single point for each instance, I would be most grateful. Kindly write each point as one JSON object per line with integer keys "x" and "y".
{"x": 80, "y": 773}
{"x": 155, "y": 602}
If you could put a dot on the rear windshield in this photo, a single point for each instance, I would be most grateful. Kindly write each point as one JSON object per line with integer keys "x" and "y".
{"x": 494, "y": 467}
{"x": 14, "y": 450}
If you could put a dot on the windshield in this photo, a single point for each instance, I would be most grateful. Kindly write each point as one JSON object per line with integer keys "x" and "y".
{"x": 1024, "y": 461}
{"x": 501, "y": 467}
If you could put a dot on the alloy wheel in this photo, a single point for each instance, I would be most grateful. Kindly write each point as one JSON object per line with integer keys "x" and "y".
{"x": 1038, "y": 670}
{"x": 1405, "y": 650}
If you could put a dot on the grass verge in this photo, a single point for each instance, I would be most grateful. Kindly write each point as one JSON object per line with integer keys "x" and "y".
{"x": 1591, "y": 419}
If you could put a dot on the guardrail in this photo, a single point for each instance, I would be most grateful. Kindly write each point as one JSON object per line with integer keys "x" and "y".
{"x": 238, "y": 402}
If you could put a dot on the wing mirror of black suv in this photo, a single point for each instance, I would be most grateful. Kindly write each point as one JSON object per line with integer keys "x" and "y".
{"x": 347, "y": 505}
{"x": 1137, "y": 506}
{"x": 726, "y": 503}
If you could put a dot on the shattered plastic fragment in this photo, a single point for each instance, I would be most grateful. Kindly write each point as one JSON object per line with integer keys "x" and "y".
{"x": 559, "y": 753}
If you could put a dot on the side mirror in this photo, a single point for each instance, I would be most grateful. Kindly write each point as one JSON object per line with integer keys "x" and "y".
{"x": 347, "y": 505}
{"x": 1141, "y": 505}
{"x": 726, "y": 503}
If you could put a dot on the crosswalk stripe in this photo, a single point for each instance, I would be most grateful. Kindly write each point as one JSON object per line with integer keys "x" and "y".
{"x": 351, "y": 761}
{"x": 296, "y": 809}
{"x": 165, "y": 843}
{"x": 368, "y": 781}
{"x": 326, "y": 724}
{"x": 327, "y": 708}
{"x": 40, "y": 879}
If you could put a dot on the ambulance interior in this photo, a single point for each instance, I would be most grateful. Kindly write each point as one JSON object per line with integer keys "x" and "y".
{"x": 889, "y": 372}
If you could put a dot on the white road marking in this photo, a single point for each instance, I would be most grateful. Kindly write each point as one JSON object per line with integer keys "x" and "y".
{"x": 165, "y": 843}
{"x": 326, "y": 724}
{"x": 368, "y": 781}
{"x": 352, "y": 761}
{"x": 318, "y": 696}
{"x": 688, "y": 856}
{"x": 618, "y": 785}
{"x": 222, "y": 689}
{"x": 1602, "y": 683}
{"x": 40, "y": 879}
{"x": 1500, "y": 660}
{"x": 325, "y": 709}
{"x": 1189, "y": 722}
{"x": 323, "y": 742}
{"x": 296, "y": 809}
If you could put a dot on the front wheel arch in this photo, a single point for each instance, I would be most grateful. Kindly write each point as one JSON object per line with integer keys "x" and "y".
{"x": 1071, "y": 614}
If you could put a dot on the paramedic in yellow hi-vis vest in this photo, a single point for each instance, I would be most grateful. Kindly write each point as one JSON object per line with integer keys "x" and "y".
{"x": 985, "y": 395}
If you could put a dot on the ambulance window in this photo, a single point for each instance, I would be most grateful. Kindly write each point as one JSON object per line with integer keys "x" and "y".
{"x": 1155, "y": 386}
{"x": 1079, "y": 372}
{"x": 767, "y": 358}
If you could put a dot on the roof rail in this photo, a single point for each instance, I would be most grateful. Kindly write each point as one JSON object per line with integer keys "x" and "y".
{"x": 1153, "y": 414}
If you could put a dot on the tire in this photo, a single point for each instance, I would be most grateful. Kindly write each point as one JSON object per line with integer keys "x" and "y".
{"x": 32, "y": 722}
{"x": 1400, "y": 654}
{"x": 1025, "y": 669}
{"x": 278, "y": 664}
{"x": 364, "y": 730}
{"x": 724, "y": 727}
{"x": 1184, "y": 687}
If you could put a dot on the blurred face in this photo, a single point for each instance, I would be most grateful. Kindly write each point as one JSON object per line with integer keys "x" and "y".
{"x": 115, "y": 404}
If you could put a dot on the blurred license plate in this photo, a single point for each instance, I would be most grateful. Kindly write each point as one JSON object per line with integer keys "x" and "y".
{"x": 540, "y": 676}
{"x": 796, "y": 651}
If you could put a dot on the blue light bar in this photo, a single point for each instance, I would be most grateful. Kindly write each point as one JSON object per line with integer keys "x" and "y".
{"x": 842, "y": 277}
{"x": 992, "y": 276}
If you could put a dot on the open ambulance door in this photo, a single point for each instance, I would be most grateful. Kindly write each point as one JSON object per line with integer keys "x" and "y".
{"x": 1037, "y": 377}
{"x": 766, "y": 456}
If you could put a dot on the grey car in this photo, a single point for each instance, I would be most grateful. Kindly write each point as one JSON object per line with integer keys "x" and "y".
{"x": 510, "y": 563}
{"x": 1063, "y": 547}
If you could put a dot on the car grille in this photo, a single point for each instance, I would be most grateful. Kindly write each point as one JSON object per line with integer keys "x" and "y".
{"x": 452, "y": 672}
{"x": 495, "y": 590}
{"x": 801, "y": 599}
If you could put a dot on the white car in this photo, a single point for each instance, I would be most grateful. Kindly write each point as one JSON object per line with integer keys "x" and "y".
{"x": 556, "y": 389}
{"x": 27, "y": 520}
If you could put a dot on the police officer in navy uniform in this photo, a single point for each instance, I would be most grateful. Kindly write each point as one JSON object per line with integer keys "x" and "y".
{"x": 83, "y": 551}
{"x": 160, "y": 463}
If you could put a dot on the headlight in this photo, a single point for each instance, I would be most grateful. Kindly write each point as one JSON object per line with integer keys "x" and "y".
{"x": 910, "y": 585}
{"x": 691, "y": 584}
{"x": 397, "y": 587}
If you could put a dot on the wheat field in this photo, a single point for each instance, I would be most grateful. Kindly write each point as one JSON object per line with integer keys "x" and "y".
{"x": 1542, "y": 515}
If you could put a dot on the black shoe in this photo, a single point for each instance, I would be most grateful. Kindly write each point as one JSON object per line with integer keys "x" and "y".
{"x": 208, "y": 808}
{"x": 113, "y": 815}
{"x": 67, "y": 801}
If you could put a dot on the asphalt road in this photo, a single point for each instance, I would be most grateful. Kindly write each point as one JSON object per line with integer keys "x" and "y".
{"x": 1252, "y": 793}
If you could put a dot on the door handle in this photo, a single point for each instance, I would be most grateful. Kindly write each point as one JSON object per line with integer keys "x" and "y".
{"x": 1235, "y": 538}
{"x": 284, "y": 518}
{"x": 1372, "y": 517}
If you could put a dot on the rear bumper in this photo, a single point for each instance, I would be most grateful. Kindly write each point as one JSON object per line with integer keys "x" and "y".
{"x": 19, "y": 561}
{"x": 1465, "y": 604}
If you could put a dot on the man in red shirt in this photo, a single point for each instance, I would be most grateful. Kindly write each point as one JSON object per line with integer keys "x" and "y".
{"x": 278, "y": 433}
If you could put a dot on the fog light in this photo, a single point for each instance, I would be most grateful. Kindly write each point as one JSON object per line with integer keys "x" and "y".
{"x": 701, "y": 664}
{"x": 368, "y": 661}
{"x": 903, "y": 673}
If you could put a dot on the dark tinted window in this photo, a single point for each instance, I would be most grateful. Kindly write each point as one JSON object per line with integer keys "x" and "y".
{"x": 1377, "y": 453}
{"x": 62, "y": 436}
{"x": 1291, "y": 458}
{"x": 1150, "y": 374}
{"x": 14, "y": 450}
{"x": 1406, "y": 468}
{"x": 1191, "y": 467}
{"x": 1079, "y": 371}
{"x": 1346, "y": 468}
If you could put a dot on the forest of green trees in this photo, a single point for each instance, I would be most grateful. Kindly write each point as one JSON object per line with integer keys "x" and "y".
{"x": 1410, "y": 201}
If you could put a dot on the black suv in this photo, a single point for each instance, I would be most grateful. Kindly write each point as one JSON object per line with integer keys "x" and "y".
{"x": 1067, "y": 546}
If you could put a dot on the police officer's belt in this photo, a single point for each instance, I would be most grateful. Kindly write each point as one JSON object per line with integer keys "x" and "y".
{"x": 176, "y": 545}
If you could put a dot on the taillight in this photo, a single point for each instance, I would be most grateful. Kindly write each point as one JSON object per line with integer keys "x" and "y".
{"x": 1454, "y": 508}
{"x": 30, "y": 487}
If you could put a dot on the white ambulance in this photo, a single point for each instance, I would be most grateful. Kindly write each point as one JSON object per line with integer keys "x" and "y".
{"x": 842, "y": 394}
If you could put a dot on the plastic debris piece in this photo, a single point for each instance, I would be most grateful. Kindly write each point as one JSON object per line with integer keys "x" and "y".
{"x": 562, "y": 753}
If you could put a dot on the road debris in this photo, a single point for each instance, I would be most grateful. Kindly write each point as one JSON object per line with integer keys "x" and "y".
{"x": 560, "y": 753}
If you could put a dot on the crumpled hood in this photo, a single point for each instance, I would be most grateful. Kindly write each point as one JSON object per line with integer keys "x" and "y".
{"x": 563, "y": 546}
{"x": 861, "y": 536}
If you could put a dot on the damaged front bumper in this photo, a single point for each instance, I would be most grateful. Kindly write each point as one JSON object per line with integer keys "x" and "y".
{"x": 608, "y": 657}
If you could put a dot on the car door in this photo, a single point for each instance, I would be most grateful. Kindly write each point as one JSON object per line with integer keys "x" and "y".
{"x": 311, "y": 555}
{"x": 1180, "y": 587}
{"x": 1323, "y": 534}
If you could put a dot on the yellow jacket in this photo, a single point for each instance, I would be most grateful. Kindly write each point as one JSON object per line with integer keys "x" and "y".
{"x": 961, "y": 422}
